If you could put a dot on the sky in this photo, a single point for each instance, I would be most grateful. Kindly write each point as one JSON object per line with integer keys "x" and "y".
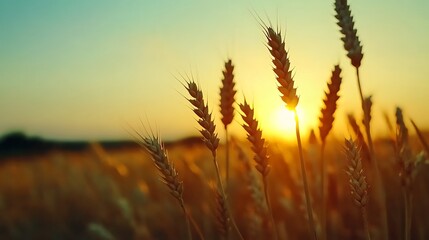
{"x": 100, "y": 69}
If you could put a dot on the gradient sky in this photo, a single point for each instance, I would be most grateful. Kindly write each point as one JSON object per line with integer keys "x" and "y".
{"x": 93, "y": 69}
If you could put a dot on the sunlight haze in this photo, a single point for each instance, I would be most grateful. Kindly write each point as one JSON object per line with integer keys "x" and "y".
{"x": 96, "y": 69}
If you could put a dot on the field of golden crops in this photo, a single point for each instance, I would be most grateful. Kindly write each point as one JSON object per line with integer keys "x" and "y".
{"x": 115, "y": 193}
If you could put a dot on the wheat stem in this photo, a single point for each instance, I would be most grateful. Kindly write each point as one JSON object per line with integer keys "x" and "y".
{"x": 304, "y": 178}
{"x": 224, "y": 196}
{"x": 366, "y": 120}
{"x": 323, "y": 192}
{"x": 381, "y": 195}
{"x": 188, "y": 225}
{"x": 408, "y": 207}
{"x": 227, "y": 156}
{"x": 365, "y": 223}
{"x": 270, "y": 209}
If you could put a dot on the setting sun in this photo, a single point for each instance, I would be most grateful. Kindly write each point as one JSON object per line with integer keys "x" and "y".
{"x": 281, "y": 123}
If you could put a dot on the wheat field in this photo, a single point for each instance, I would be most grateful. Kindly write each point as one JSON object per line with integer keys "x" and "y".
{"x": 205, "y": 186}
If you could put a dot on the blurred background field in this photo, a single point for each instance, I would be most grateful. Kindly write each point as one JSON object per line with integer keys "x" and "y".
{"x": 112, "y": 191}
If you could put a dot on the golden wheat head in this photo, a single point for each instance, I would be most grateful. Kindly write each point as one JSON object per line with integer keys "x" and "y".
{"x": 355, "y": 171}
{"x": 168, "y": 172}
{"x": 281, "y": 62}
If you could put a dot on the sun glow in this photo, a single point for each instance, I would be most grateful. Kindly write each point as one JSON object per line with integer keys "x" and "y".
{"x": 281, "y": 123}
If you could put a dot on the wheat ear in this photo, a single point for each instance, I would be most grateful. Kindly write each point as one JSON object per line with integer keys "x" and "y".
{"x": 169, "y": 175}
{"x": 276, "y": 46}
{"x": 330, "y": 103}
{"x": 254, "y": 135}
{"x": 227, "y": 99}
{"x": 326, "y": 122}
{"x": 358, "y": 184}
{"x": 209, "y": 134}
{"x": 350, "y": 39}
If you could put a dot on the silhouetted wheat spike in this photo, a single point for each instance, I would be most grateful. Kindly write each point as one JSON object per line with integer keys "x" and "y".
{"x": 254, "y": 135}
{"x": 209, "y": 136}
{"x": 350, "y": 39}
{"x": 169, "y": 175}
{"x": 227, "y": 99}
{"x": 227, "y": 94}
{"x": 205, "y": 117}
{"x": 276, "y": 46}
{"x": 326, "y": 122}
{"x": 330, "y": 103}
{"x": 357, "y": 180}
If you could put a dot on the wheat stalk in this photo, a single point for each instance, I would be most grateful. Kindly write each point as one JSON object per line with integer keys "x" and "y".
{"x": 168, "y": 172}
{"x": 227, "y": 99}
{"x": 254, "y": 135}
{"x": 276, "y": 46}
{"x": 354, "y": 51}
{"x": 409, "y": 166}
{"x": 209, "y": 134}
{"x": 357, "y": 182}
{"x": 326, "y": 122}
